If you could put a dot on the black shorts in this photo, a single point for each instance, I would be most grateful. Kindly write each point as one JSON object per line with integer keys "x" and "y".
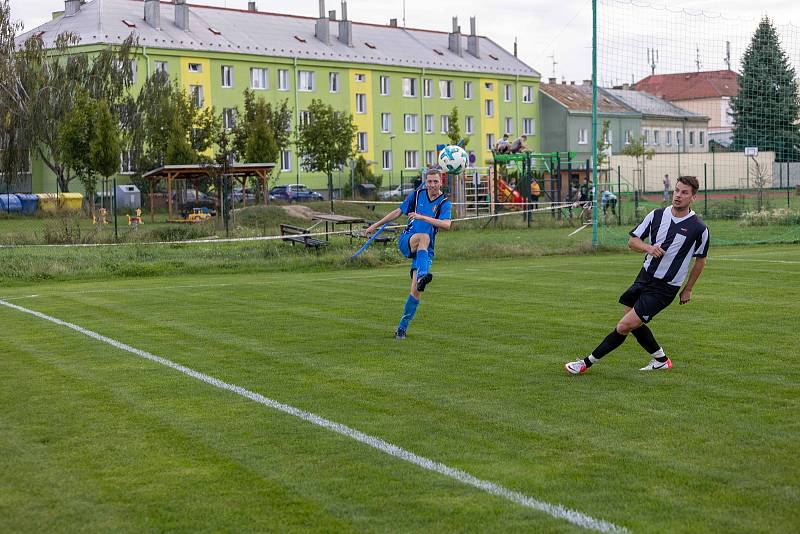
{"x": 648, "y": 296}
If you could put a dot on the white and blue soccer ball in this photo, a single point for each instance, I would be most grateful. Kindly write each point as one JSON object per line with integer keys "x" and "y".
{"x": 453, "y": 159}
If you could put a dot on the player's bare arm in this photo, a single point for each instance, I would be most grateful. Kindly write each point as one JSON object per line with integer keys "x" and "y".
{"x": 635, "y": 243}
{"x": 392, "y": 215}
{"x": 694, "y": 274}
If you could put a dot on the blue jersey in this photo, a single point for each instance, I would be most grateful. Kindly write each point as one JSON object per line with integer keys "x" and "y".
{"x": 428, "y": 207}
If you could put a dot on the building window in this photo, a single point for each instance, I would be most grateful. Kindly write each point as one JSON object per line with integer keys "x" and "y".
{"x": 333, "y": 82}
{"x": 410, "y": 123}
{"x": 386, "y": 122}
{"x": 360, "y": 77}
{"x": 469, "y": 124}
{"x": 385, "y": 89}
{"x": 489, "y": 86}
{"x": 428, "y": 123}
{"x": 527, "y": 94}
{"x": 645, "y": 137}
{"x": 228, "y": 118}
{"x": 161, "y": 66}
{"x": 362, "y": 141}
{"x": 656, "y": 137}
{"x": 227, "y": 76}
{"x": 446, "y": 88}
{"x": 608, "y": 138}
{"x": 430, "y": 157}
{"x": 305, "y": 81}
{"x": 702, "y": 136}
{"x": 286, "y": 160}
{"x": 691, "y": 138}
{"x": 445, "y": 123}
{"x": 283, "y": 80}
{"x": 305, "y": 117}
{"x": 387, "y": 160}
{"x": 509, "y": 124}
{"x": 427, "y": 88}
{"x": 508, "y": 91}
{"x": 669, "y": 137}
{"x": 467, "y": 90}
{"x": 258, "y": 78}
{"x": 361, "y": 103}
{"x": 528, "y": 126}
{"x": 195, "y": 67}
{"x": 410, "y": 87}
{"x": 583, "y": 138}
{"x": 490, "y": 141}
{"x": 678, "y": 138}
{"x": 196, "y": 93}
{"x": 628, "y": 137}
{"x": 489, "y": 107}
{"x": 412, "y": 159}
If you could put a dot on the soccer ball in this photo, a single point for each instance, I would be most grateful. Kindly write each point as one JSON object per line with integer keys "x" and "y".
{"x": 453, "y": 159}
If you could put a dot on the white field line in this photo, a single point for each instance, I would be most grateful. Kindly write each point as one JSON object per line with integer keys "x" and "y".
{"x": 731, "y": 258}
{"x": 555, "y": 510}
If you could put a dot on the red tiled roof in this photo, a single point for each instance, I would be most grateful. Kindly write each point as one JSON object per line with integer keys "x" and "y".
{"x": 578, "y": 98}
{"x": 691, "y": 85}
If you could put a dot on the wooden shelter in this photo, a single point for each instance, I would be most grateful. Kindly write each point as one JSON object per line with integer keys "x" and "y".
{"x": 197, "y": 173}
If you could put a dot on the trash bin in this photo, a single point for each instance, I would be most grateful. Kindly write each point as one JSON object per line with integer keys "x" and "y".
{"x": 9, "y": 203}
{"x": 54, "y": 202}
{"x": 367, "y": 191}
{"x": 128, "y": 197}
{"x": 30, "y": 203}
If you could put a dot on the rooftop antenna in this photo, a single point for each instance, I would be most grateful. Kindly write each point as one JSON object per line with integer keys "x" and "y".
{"x": 553, "y": 58}
{"x": 404, "y": 13}
{"x": 697, "y": 60}
{"x": 728, "y": 54}
{"x": 652, "y": 58}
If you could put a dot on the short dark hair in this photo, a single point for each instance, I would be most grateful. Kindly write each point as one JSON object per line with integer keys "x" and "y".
{"x": 691, "y": 181}
{"x": 433, "y": 171}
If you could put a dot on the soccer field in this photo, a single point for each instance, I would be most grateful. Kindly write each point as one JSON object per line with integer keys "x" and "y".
{"x": 211, "y": 403}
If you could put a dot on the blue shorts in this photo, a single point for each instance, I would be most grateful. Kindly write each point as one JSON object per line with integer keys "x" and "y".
{"x": 404, "y": 244}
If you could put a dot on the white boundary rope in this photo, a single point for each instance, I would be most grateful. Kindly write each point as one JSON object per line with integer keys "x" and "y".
{"x": 557, "y": 511}
{"x": 275, "y": 237}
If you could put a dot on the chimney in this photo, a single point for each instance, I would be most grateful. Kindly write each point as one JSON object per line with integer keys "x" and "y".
{"x": 332, "y": 15}
{"x": 454, "y": 38}
{"x": 515, "y": 47}
{"x": 572, "y": 82}
{"x": 626, "y": 87}
{"x": 393, "y": 23}
{"x": 473, "y": 41}
{"x": 182, "y": 15}
{"x": 251, "y": 6}
{"x": 345, "y": 27}
{"x": 563, "y": 82}
{"x": 152, "y": 13}
{"x": 322, "y": 30}
{"x": 71, "y": 7}
{"x": 587, "y": 82}
{"x": 551, "y": 80}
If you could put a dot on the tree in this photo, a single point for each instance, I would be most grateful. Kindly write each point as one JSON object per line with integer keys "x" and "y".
{"x": 636, "y": 149}
{"x": 261, "y": 146}
{"x": 454, "y": 130}
{"x": 278, "y": 118}
{"x": 73, "y": 142}
{"x": 326, "y": 141}
{"x": 105, "y": 146}
{"x": 603, "y": 145}
{"x": 766, "y": 110}
{"x": 362, "y": 174}
{"x": 179, "y": 149}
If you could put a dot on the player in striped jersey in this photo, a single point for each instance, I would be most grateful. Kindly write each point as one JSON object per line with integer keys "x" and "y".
{"x": 676, "y": 235}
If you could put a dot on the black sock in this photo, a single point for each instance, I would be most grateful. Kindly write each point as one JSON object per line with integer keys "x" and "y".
{"x": 611, "y": 342}
{"x": 646, "y": 339}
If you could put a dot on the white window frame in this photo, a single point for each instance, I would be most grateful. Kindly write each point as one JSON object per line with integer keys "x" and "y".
{"x": 427, "y": 88}
{"x": 197, "y": 95}
{"x": 701, "y": 138}
{"x": 259, "y": 78}
{"x": 691, "y": 137}
{"x": 508, "y": 122}
{"x": 488, "y": 107}
{"x": 508, "y": 92}
{"x": 527, "y": 94}
{"x": 411, "y": 159}
{"x": 362, "y": 140}
{"x": 645, "y": 136}
{"x": 410, "y": 87}
{"x": 469, "y": 124}
{"x": 528, "y": 126}
{"x": 386, "y": 122}
{"x": 162, "y": 66}
{"x": 386, "y": 86}
{"x": 195, "y": 67}
{"x": 656, "y": 137}
{"x": 446, "y": 89}
{"x": 430, "y": 157}
{"x": 583, "y": 136}
{"x": 304, "y": 117}
{"x": 226, "y": 72}
{"x": 628, "y": 137}
{"x": 361, "y": 103}
{"x": 286, "y": 160}
{"x": 429, "y": 123}
{"x": 306, "y": 81}
{"x": 387, "y": 160}
{"x": 283, "y": 79}
{"x": 490, "y": 141}
{"x": 445, "y": 123}
{"x": 410, "y": 123}
{"x": 333, "y": 82}
{"x": 467, "y": 90}
{"x": 678, "y": 137}
{"x": 668, "y": 140}
{"x": 228, "y": 118}
{"x": 361, "y": 77}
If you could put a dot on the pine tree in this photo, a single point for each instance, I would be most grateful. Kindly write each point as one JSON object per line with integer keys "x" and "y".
{"x": 766, "y": 110}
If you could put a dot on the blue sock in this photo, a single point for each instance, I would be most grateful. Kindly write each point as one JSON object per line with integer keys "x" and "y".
{"x": 422, "y": 263}
{"x": 408, "y": 312}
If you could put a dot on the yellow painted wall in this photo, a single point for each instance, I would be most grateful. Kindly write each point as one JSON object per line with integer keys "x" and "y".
{"x": 365, "y": 122}
{"x": 197, "y": 78}
{"x": 489, "y": 125}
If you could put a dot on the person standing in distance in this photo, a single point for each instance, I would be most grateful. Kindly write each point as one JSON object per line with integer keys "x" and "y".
{"x": 428, "y": 211}
{"x": 676, "y": 235}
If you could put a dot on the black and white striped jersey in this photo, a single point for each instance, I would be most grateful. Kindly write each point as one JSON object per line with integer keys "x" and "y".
{"x": 681, "y": 240}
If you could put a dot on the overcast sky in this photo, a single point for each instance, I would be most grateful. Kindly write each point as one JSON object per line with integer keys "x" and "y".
{"x": 560, "y": 31}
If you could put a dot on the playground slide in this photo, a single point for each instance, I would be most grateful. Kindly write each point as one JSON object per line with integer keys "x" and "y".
{"x": 507, "y": 195}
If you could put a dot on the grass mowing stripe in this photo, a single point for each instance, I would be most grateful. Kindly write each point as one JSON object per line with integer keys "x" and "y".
{"x": 555, "y": 510}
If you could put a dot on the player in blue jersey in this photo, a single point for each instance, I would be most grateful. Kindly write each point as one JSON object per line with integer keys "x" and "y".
{"x": 428, "y": 211}
{"x": 677, "y": 236}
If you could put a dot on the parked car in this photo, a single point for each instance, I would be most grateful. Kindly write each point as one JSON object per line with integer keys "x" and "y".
{"x": 396, "y": 193}
{"x": 238, "y": 196}
{"x": 294, "y": 193}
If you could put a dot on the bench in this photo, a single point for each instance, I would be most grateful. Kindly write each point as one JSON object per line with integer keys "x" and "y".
{"x": 295, "y": 234}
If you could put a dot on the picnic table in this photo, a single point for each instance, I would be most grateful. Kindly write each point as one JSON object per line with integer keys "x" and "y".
{"x": 333, "y": 219}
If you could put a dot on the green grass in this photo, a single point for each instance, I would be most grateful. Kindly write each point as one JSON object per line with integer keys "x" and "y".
{"x": 93, "y": 438}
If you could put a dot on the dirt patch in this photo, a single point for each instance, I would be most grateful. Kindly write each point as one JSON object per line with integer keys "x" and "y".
{"x": 300, "y": 212}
